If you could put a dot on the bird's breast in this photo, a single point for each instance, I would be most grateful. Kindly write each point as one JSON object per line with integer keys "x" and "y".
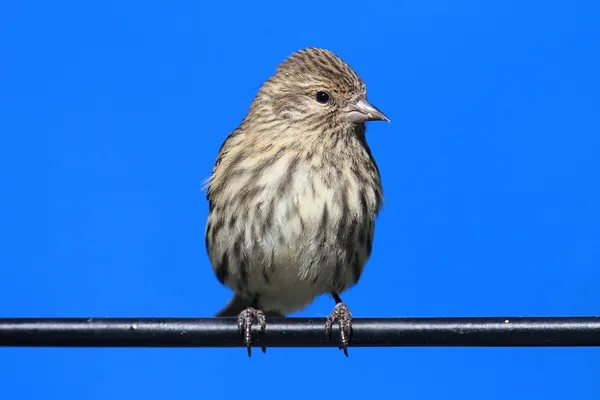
{"x": 296, "y": 230}
{"x": 320, "y": 223}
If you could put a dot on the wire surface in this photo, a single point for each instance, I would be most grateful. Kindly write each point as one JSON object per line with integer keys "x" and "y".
{"x": 300, "y": 332}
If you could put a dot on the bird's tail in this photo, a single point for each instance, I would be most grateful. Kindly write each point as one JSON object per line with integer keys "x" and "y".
{"x": 235, "y": 306}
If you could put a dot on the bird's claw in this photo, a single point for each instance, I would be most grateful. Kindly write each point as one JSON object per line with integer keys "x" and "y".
{"x": 244, "y": 323}
{"x": 342, "y": 314}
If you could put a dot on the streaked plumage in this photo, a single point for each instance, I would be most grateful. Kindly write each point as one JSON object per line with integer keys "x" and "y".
{"x": 295, "y": 191}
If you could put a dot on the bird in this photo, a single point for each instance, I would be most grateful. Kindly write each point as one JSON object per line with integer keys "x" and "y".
{"x": 294, "y": 194}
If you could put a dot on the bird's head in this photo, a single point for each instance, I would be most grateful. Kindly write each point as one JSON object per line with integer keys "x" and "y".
{"x": 316, "y": 88}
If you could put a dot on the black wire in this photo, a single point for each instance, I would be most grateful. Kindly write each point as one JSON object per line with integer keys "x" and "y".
{"x": 300, "y": 332}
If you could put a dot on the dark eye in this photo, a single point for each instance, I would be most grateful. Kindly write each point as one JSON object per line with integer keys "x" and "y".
{"x": 322, "y": 97}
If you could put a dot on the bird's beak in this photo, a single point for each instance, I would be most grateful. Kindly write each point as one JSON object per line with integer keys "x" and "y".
{"x": 363, "y": 111}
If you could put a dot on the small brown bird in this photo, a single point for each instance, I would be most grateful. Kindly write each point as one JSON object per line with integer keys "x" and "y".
{"x": 294, "y": 194}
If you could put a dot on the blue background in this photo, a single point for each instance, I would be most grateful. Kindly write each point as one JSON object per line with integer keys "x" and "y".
{"x": 112, "y": 113}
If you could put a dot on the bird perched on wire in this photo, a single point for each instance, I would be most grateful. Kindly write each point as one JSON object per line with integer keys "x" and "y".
{"x": 294, "y": 194}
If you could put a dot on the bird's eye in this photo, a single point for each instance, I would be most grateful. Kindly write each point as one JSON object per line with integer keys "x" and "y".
{"x": 322, "y": 97}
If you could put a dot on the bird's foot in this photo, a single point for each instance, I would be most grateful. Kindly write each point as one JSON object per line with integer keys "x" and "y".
{"x": 245, "y": 319}
{"x": 342, "y": 314}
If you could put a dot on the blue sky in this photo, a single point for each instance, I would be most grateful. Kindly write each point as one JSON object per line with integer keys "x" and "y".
{"x": 111, "y": 116}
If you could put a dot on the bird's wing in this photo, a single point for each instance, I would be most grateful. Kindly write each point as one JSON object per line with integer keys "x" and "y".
{"x": 222, "y": 152}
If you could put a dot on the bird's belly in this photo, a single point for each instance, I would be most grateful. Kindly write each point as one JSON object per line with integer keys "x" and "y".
{"x": 312, "y": 238}
{"x": 313, "y": 244}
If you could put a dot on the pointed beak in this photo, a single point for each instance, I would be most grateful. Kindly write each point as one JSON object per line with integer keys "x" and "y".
{"x": 363, "y": 111}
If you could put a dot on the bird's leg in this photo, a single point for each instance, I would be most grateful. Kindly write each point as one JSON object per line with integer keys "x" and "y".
{"x": 245, "y": 319}
{"x": 342, "y": 314}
